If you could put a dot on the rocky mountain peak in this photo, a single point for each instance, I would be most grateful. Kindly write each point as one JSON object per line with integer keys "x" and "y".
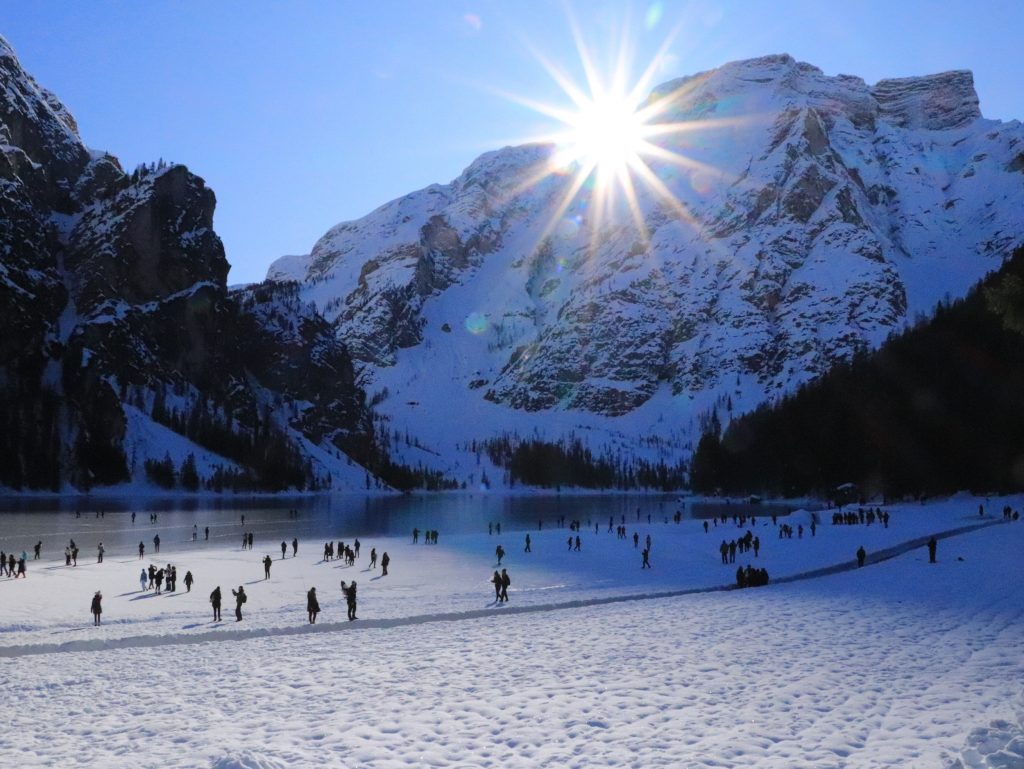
{"x": 121, "y": 342}
{"x": 813, "y": 216}
{"x": 933, "y": 102}
{"x": 37, "y": 127}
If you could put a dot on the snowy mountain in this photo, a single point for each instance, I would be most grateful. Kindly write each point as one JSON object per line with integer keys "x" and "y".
{"x": 122, "y": 346}
{"x": 814, "y": 216}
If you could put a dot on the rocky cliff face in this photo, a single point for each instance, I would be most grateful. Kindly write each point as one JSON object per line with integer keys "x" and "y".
{"x": 812, "y": 216}
{"x": 119, "y": 328}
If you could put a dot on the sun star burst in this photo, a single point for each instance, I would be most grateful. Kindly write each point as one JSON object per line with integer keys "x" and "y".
{"x": 613, "y": 142}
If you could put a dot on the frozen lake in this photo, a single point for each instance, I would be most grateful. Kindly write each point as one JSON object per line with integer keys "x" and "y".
{"x": 56, "y": 520}
{"x": 593, "y": 662}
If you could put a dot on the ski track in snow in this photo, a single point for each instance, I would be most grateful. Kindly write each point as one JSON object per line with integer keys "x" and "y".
{"x": 899, "y": 664}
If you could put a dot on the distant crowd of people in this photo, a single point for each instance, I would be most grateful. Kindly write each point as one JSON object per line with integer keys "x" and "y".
{"x": 861, "y": 517}
{"x": 158, "y": 579}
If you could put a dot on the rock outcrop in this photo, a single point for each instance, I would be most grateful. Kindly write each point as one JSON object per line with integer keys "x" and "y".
{"x": 117, "y": 317}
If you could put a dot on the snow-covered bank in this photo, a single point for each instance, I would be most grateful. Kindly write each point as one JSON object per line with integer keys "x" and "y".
{"x": 901, "y": 663}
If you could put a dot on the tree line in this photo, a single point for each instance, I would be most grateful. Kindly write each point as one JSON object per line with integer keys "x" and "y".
{"x": 936, "y": 409}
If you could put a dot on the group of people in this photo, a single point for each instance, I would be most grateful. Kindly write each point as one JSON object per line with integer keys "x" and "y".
{"x": 345, "y": 552}
{"x": 11, "y": 567}
{"x": 751, "y": 577}
{"x": 740, "y": 545}
{"x": 501, "y": 582}
{"x": 861, "y": 517}
{"x": 430, "y": 535}
{"x": 154, "y": 579}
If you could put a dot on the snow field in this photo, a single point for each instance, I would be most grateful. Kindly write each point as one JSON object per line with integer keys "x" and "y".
{"x": 902, "y": 663}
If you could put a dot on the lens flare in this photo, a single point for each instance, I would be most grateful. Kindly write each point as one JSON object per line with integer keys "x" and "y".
{"x": 476, "y": 323}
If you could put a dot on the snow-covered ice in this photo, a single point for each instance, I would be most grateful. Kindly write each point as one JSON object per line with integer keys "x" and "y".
{"x": 593, "y": 662}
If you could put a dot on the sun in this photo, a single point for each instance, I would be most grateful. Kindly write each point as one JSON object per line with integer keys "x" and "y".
{"x": 606, "y": 134}
{"x": 612, "y": 142}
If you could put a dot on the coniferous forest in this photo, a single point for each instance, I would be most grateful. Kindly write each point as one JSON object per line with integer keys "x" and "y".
{"x": 937, "y": 409}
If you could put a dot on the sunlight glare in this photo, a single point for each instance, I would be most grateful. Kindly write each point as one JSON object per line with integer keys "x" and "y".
{"x": 606, "y": 133}
{"x": 619, "y": 150}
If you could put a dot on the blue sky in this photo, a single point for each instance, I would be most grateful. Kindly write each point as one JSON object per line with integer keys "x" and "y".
{"x": 301, "y": 114}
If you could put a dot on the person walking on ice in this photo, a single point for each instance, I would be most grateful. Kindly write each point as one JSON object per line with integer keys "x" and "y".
{"x": 284, "y": 549}
{"x": 143, "y": 580}
{"x": 385, "y": 559}
{"x": 188, "y": 582}
{"x": 312, "y": 605}
{"x": 240, "y": 598}
{"x": 505, "y": 582}
{"x": 932, "y": 547}
{"x": 97, "y": 607}
{"x": 527, "y": 548}
{"x": 349, "y": 591}
{"x": 267, "y": 562}
{"x": 647, "y": 562}
{"x": 215, "y": 602}
{"x": 496, "y": 581}
{"x": 499, "y": 553}
{"x": 156, "y": 543}
{"x": 373, "y": 558}
{"x": 861, "y": 556}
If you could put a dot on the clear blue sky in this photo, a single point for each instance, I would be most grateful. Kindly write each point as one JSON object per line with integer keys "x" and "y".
{"x": 304, "y": 114}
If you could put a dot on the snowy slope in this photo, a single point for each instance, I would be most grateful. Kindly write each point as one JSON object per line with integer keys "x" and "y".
{"x": 815, "y": 215}
{"x": 901, "y": 663}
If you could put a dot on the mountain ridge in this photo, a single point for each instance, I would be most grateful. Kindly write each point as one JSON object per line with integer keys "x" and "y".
{"x": 816, "y": 216}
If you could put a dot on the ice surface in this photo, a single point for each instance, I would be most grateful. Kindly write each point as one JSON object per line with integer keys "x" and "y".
{"x": 901, "y": 663}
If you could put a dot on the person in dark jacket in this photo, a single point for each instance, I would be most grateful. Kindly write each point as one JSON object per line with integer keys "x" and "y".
{"x": 215, "y": 602}
{"x": 240, "y": 598}
{"x": 284, "y": 549}
{"x": 496, "y": 581}
{"x": 505, "y": 582}
{"x": 312, "y": 605}
{"x": 295, "y": 547}
{"x": 267, "y": 562}
{"x": 861, "y": 556}
{"x": 932, "y": 547}
{"x": 188, "y": 582}
{"x": 97, "y": 607}
{"x": 349, "y": 591}
{"x": 156, "y": 543}
{"x": 385, "y": 559}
